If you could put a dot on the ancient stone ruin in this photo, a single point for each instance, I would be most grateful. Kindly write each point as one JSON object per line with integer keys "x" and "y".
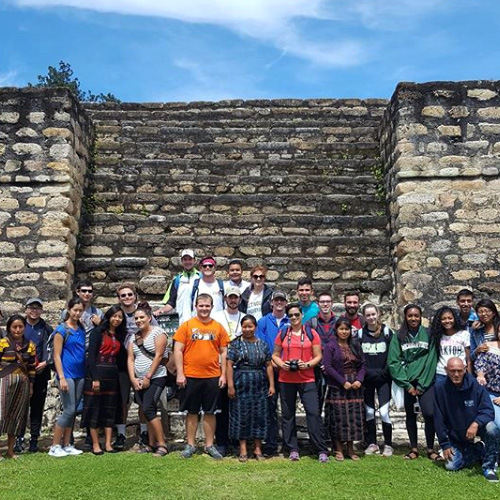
{"x": 398, "y": 199}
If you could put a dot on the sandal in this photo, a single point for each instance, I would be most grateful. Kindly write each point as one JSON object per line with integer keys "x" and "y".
{"x": 434, "y": 456}
{"x": 161, "y": 451}
{"x": 353, "y": 457}
{"x": 259, "y": 457}
{"x": 145, "y": 449}
{"x": 243, "y": 458}
{"x": 411, "y": 455}
{"x": 339, "y": 456}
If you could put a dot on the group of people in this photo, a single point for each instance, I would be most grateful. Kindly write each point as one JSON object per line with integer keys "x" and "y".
{"x": 242, "y": 345}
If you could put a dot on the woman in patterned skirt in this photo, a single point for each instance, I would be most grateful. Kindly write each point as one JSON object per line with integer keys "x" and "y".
{"x": 250, "y": 381}
{"x": 102, "y": 400}
{"x": 344, "y": 367}
{"x": 17, "y": 374}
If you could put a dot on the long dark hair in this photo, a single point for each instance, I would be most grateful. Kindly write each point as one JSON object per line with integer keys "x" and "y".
{"x": 121, "y": 330}
{"x": 352, "y": 341}
{"x": 14, "y": 317}
{"x": 489, "y": 304}
{"x": 404, "y": 329}
{"x": 437, "y": 330}
{"x": 71, "y": 303}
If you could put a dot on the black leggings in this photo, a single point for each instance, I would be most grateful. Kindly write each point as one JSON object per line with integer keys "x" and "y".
{"x": 426, "y": 401}
{"x": 148, "y": 398}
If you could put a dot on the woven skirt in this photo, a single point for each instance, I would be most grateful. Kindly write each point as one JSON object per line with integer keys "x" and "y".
{"x": 345, "y": 412}
{"x": 14, "y": 403}
{"x": 103, "y": 409}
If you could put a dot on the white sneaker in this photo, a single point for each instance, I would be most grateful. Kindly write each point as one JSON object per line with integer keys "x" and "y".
{"x": 388, "y": 451}
{"x": 372, "y": 449}
{"x": 71, "y": 450}
{"x": 57, "y": 451}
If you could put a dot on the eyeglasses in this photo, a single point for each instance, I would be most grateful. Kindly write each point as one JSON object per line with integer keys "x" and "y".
{"x": 86, "y": 290}
{"x": 208, "y": 266}
{"x": 123, "y": 295}
{"x": 34, "y": 308}
{"x": 259, "y": 277}
{"x": 295, "y": 315}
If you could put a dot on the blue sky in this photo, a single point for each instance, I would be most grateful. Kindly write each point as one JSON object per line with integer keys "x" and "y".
{"x": 186, "y": 50}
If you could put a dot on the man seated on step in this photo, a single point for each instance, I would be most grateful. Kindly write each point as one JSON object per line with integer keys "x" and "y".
{"x": 304, "y": 293}
{"x": 208, "y": 284}
{"x": 178, "y": 295}
{"x": 464, "y": 419}
{"x": 200, "y": 352}
{"x": 235, "y": 272}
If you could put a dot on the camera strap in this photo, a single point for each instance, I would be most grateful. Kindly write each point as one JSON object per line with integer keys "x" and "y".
{"x": 289, "y": 341}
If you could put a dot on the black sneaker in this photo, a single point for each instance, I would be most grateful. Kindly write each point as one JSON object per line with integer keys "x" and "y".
{"x": 119, "y": 443}
{"x": 33, "y": 446}
{"x": 144, "y": 438}
{"x": 490, "y": 476}
{"x": 19, "y": 445}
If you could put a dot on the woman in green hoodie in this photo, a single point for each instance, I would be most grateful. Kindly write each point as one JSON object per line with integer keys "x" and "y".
{"x": 412, "y": 362}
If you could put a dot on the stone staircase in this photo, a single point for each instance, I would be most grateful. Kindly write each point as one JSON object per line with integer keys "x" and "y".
{"x": 288, "y": 181}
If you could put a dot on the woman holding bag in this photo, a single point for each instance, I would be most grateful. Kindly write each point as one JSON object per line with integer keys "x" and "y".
{"x": 17, "y": 374}
{"x": 148, "y": 374}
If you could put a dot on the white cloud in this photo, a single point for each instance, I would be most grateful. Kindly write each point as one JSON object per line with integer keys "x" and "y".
{"x": 280, "y": 23}
{"x": 275, "y": 22}
{"x": 9, "y": 79}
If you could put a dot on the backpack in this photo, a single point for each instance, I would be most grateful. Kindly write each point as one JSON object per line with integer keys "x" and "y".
{"x": 196, "y": 285}
{"x": 386, "y": 331}
{"x": 50, "y": 345}
{"x": 284, "y": 330}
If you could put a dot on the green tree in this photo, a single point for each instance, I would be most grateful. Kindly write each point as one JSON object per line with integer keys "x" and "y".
{"x": 63, "y": 77}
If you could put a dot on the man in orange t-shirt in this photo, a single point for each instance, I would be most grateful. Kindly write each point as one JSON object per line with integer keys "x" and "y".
{"x": 200, "y": 358}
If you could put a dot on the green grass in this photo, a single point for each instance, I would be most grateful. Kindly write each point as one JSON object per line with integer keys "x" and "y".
{"x": 143, "y": 477}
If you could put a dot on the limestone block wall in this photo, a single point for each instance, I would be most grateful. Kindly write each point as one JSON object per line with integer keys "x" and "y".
{"x": 440, "y": 143}
{"x": 45, "y": 144}
{"x": 288, "y": 182}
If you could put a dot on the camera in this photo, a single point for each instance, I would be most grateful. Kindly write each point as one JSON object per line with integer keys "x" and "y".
{"x": 293, "y": 365}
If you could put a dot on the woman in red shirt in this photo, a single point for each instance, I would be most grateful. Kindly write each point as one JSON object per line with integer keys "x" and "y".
{"x": 102, "y": 400}
{"x": 297, "y": 350}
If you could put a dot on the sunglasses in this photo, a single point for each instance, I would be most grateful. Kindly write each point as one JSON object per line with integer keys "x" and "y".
{"x": 208, "y": 266}
{"x": 123, "y": 295}
{"x": 86, "y": 290}
{"x": 259, "y": 277}
{"x": 295, "y": 315}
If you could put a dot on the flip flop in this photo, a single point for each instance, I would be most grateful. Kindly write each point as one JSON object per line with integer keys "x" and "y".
{"x": 353, "y": 457}
{"x": 243, "y": 458}
{"x": 339, "y": 456}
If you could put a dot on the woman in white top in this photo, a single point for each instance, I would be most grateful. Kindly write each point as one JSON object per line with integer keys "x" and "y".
{"x": 449, "y": 341}
{"x": 147, "y": 355}
{"x": 256, "y": 299}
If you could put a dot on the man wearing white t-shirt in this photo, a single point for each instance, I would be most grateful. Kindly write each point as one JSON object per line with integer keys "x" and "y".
{"x": 208, "y": 284}
{"x": 230, "y": 317}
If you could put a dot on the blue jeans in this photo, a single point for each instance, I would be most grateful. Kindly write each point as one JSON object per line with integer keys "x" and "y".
{"x": 497, "y": 410}
{"x": 70, "y": 400}
{"x": 465, "y": 455}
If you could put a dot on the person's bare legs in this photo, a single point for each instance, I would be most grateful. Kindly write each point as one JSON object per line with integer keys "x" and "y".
{"x": 209, "y": 423}
{"x": 11, "y": 439}
{"x": 96, "y": 446}
{"x": 108, "y": 435}
{"x": 257, "y": 447}
{"x": 191, "y": 428}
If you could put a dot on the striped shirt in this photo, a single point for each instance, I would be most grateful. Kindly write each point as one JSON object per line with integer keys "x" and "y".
{"x": 142, "y": 362}
{"x": 27, "y": 353}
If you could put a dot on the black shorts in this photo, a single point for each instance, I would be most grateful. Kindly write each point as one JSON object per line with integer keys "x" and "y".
{"x": 200, "y": 394}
